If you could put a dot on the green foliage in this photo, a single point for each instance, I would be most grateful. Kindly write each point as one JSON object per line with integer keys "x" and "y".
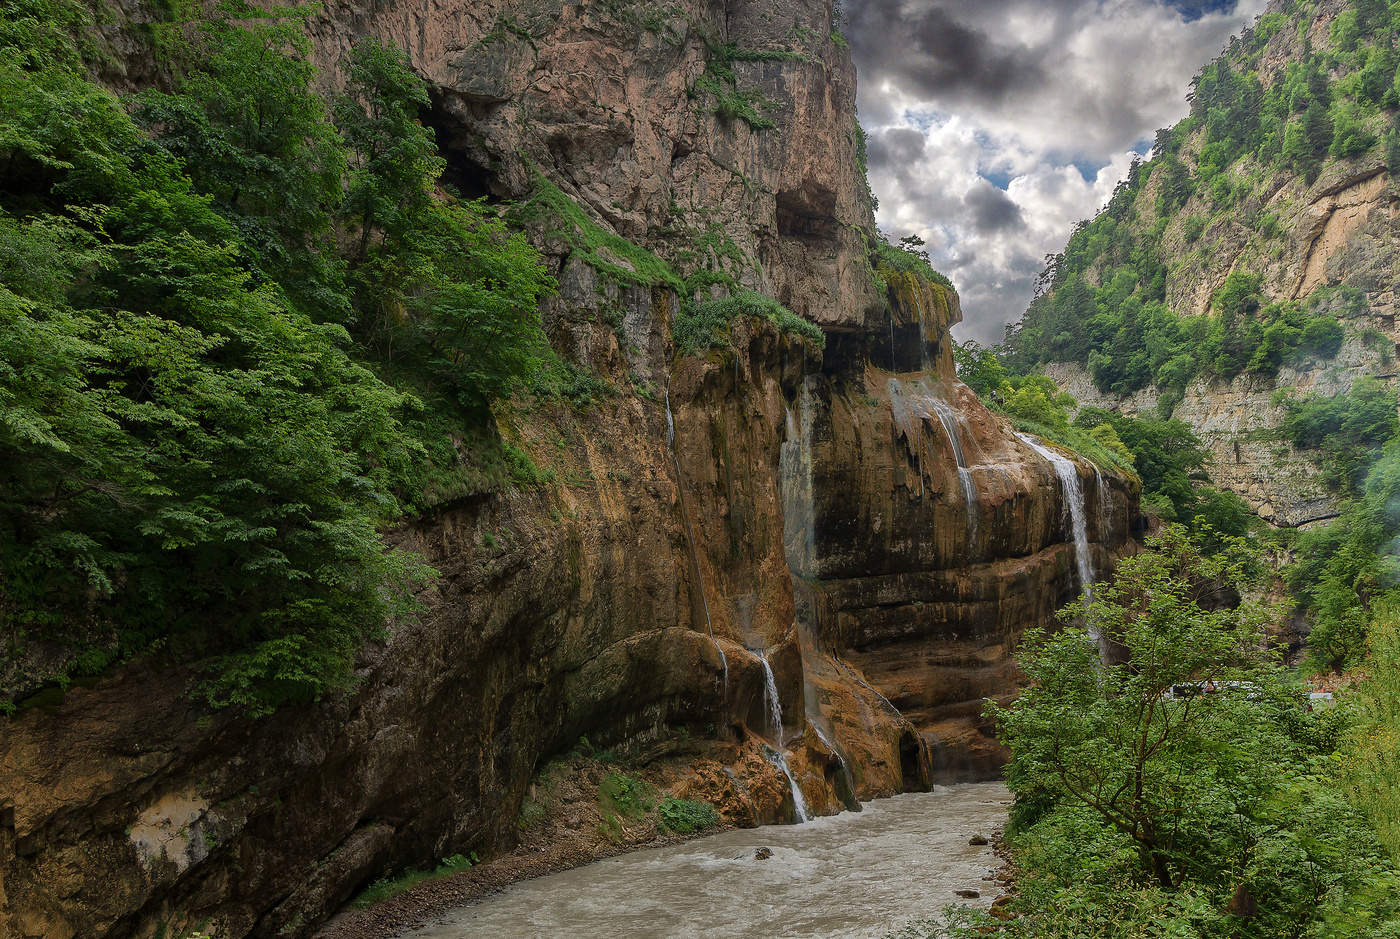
{"x": 1369, "y": 759}
{"x": 721, "y": 86}
{"x": 1102, "y": 299}
{"x": 196, "y": 458}
{"x": 606, "y": 252}
{"x": 251, "y": 134}
{"x": 909, "y": 258}
{"x": 1345, "y": 568}
{"x": 684, "y": 816}
{"x": 1348, "y": 430}
{"x": 705, "y": 325}
{"x": 626, "y": 796}
{"x": 387, "y": 887}
{"x": 1143, "y": 810}
{"x": 1169, "y": 458}
{"x": 394, "y": 158}
{"x": 1037, "y": 399}
{"x": 978, "y": 368}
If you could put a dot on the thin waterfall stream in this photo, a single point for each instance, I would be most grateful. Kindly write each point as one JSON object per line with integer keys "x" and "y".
{"x": 776, "y": 756}
{"x": 1073, "y": 491}
{"x": 949, "y": 420}
{"x": 690, "y": 536}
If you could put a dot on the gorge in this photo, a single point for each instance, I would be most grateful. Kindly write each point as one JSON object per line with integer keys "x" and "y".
{"x": 786, "y": 566}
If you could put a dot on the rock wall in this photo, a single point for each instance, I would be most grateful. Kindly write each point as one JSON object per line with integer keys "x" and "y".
{"x": 765, "y": 499}
{"x": 1342, "y": 230}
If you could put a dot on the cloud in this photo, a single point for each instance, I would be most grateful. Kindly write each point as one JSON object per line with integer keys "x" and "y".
{"x": 995, "y": 126}
{"x": 992, "y": 210}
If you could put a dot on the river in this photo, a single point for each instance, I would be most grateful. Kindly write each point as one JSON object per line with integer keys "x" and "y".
{"x": 851, "y": 875}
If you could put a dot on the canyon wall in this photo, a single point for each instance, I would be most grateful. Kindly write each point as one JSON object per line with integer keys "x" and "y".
{"x": 852, "y": 515}
{"x": 1331, "y": 242}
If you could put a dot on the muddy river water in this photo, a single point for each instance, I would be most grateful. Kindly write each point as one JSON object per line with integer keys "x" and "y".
{"x": 860, "y": 874}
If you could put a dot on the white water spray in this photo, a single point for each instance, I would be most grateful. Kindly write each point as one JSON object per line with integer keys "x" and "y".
{"x": 1074, "y": 497}
{"x": 770, "y": 697}
{"x": 775, "y": 753}
{"x": 949, "y": 420}
{"x": 690, "y": 537}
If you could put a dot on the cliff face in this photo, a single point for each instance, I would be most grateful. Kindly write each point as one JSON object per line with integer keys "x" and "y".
{"x": 1330, "y": 243}
{"x": 852, "y": 517}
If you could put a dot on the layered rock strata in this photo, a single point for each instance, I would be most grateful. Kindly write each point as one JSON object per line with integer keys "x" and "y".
{"x": 852, "y": 515}
{"x": 1338, "y": 233}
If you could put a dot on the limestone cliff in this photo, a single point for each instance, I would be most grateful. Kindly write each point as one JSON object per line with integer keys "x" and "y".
{"x": 1328, "y": 243}
{"x": 852, "y": 516}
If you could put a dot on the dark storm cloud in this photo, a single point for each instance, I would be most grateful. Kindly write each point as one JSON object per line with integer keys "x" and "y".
{"x": 992, "y": 210}
{"x": 1043, "y": 97}
{"x": 896, "y": 147}
{"x": 933, "y": 52}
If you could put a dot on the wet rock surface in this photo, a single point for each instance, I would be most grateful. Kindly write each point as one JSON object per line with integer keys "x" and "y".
{"x": 812, "y": 511}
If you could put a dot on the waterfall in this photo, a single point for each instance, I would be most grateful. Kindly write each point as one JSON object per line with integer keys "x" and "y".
{"x": 775, "y": 753}
{"x": 949, "y": 420}
{"x": 840, "y": 759}
{"x": 799, "y": 804}
{"x": 1074, "y": 496}
{"x": 1105, "y": 513}
{"x": 908, "y": 410}
{"x": 868, "y": 687}
{"x": 770, "y": 697}
{"x": 690, "y": 536}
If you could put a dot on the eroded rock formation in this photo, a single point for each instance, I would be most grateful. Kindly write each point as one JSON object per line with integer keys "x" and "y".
{"x": 812, "y": 508}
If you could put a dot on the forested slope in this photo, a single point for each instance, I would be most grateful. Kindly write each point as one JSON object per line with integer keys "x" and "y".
{"x": 1241, "y": 286}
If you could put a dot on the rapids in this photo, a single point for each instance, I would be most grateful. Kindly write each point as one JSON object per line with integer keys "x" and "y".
{"x": 850, "y": 875}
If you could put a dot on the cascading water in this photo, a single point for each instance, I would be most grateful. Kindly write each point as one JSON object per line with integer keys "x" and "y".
{"x": 917, "y": 403}
{"x": 949, "y": 420}
{"x": 1105, "y": 514}
{"x": 840, "y": 759}
{"x": 775, "y": 753}
{"x": 795, "y": 476}
{"x": 1074, "y": 497}
{"x": 770, "y": 697}
{"x": 690, "y": 537}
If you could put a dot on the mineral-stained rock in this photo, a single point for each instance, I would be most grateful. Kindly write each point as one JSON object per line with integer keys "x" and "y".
{"x": 811, "y": 514}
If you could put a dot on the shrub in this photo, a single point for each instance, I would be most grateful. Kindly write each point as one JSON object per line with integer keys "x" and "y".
{"x": 684, "y": 816}
{"x": 705, "y": 325}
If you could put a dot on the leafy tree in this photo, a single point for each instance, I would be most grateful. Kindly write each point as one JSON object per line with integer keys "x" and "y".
{"x": 1345, "y": 569}
{"x": 394, "y": 158}
{"x": 1174, "y": 789}
{"x": 193, "y": 458}
{"x": 1037, "y": 399}
{"x": 978, "y": 368}
{"x": 1349, "y": 429}
{"x": 250, "y": 132}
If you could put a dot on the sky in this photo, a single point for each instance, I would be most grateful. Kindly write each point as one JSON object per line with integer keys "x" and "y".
{"x": 995, "y": 125}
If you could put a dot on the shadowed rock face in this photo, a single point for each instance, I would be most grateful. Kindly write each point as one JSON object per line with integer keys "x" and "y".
{"x": 625, "y": 601}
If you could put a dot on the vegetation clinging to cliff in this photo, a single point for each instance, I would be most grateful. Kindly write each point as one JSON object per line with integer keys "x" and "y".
{"x": 209, "y": 405}
{"x": 1103, "y": 300}
{"x": 704, "y": 325}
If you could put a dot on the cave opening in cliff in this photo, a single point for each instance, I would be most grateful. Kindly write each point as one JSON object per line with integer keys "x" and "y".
{"x": 807, "y": 213}
{"x": 899, "y": 347}
{"x": 911, "y": 762}
{"x": 464, "y": 173}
